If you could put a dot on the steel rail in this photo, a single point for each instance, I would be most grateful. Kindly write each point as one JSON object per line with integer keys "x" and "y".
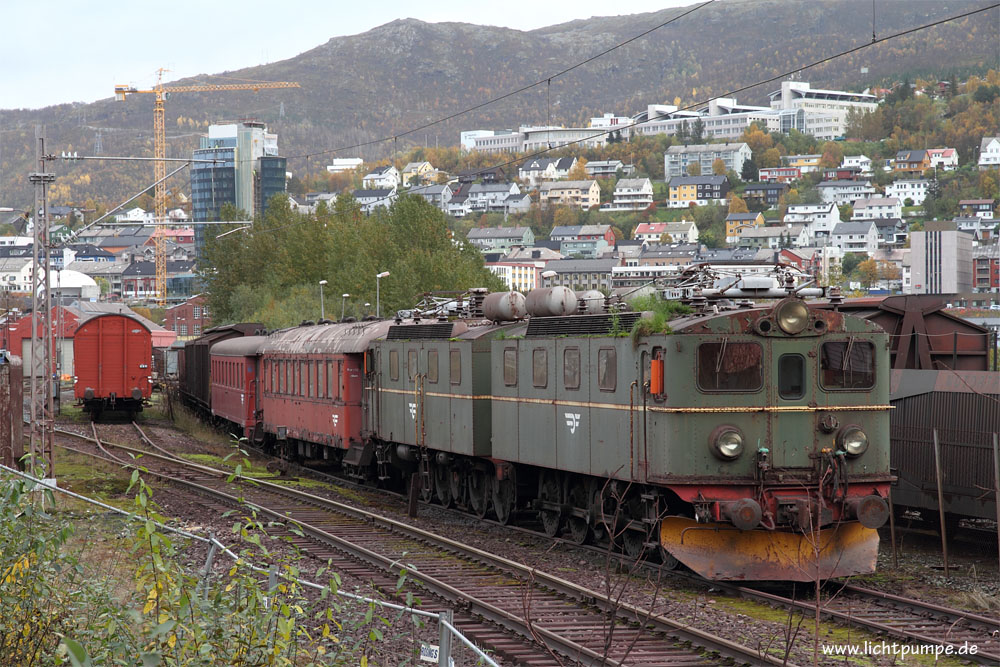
{"x": 626, "y": 613}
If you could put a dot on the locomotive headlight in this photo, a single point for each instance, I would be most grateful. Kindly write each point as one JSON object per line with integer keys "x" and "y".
{"x": 792, "y": 316}
{"x": 853, "y": 440}
{"x": 727, "y": 443}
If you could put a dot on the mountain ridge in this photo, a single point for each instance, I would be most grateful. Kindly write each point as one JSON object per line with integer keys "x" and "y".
{"x": 405, "y": 73}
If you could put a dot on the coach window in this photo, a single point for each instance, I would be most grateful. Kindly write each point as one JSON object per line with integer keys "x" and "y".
{"x": 848, "y": 365}
{"x": 510, "y": 366}
{"x": 329, "y": 379}
{"x": 338, "y": 390}
{"x": 571, "y": 368}
{"x": 393, "y": 364}
{"x": 432, "y": 366}
{"x": 607, "y": 369}
{"x": 729, "y": 366}
{"x": 456, "y": 366}
{"x": 312, "y": 379}
{"x": 320, "y": 380}
{"x": 791, "y": 376}
{"x": 539, "y": 368}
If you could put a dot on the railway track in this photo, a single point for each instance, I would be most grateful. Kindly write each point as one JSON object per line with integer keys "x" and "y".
{"x": 526, "y": 615}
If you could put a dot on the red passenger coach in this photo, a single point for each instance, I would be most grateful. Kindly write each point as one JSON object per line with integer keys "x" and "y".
{"x": 235, "y": 380}
{"x": 313, "y": 383}
{"x": 113, "y": 356}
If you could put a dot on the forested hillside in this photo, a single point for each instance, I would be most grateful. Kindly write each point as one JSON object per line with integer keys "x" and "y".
{"x": 401, "y": 75}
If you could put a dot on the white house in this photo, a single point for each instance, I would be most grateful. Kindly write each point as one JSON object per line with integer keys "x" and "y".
{"x": 436, "y": 195}
{"x": 877, "y": 207}
{"x": 370, "y": 199}
{"x": 678, "y": 158}
{"x": 339, "y": 164}
{"x": 679, "y": 232}
{"x": 490, "y": 197}
{"x": 819, "y": 219}
{"x": 537, "y": 170}
{"x": 134, "y": 216}
{"x": 862, "y": 162}
{"x": 773, "y": 237}
{"x": 945, "y": 159}
{"x": 845, "y": 192}
{"x": 859, "y": 236}
{"x": 989, "y": 153}
{"x": 913, "y": 189}
{"x": 632, "y": 194}
{"x": 381, "y": 178}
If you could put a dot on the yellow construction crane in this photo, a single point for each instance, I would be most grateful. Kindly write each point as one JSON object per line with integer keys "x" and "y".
{"x": 161, "y": 93}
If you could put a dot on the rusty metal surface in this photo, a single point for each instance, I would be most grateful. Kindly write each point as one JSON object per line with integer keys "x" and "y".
{"x": 718, "y": 551}
{"x": 339, "y": 338}
{"x": 247, "y": 346}
{"x": 965, "y": 409}
{"x": 11, "y": 410}
{"x": 923, "y": 335}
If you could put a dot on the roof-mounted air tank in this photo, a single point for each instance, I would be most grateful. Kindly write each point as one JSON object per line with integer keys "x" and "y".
{"x": 552, "y": 302}
{"x": 591, "y": 302}
{"x": 504, "y": 307}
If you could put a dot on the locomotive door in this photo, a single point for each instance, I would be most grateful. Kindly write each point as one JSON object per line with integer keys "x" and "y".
{"x": 791, "y": 386}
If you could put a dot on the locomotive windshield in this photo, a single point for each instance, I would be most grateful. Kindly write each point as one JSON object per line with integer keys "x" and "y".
{"x": 729, "y": 366}
{"x": 848, "y": 365}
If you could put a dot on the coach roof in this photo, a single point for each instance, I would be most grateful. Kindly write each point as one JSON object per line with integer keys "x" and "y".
{"x": 338, "y": 338}
{"x": 243, "y": 346}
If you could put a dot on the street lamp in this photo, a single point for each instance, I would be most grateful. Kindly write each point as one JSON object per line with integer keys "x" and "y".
{"x": 549, "y": 274}
{"x": 378, "y": 295}
{"x": 343, "y": 305}
{"x": 322, "y": 310}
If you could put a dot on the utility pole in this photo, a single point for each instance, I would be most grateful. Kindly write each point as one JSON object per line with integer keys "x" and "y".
{"x": 41, "y": 407}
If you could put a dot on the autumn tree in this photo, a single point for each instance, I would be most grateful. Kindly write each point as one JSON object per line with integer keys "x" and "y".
{"x": 579, "y": 170}
{"x": 736, "y": 204}
{"x": 718, "y": 167}
{"x": 770, "y": 158}
{"x": 989, "y": 183}
{"x": 833, "y": 155}
{"x": 694, "y": 169}
{"x": 868, "y": 272}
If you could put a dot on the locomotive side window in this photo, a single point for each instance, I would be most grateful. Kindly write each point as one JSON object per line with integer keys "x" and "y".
{"x": 510, "y": 366}
{"x": 393, "y": 364}
{"x": 432, "y": 366}
{"x": 411, "y": 363}
{"x": 456, "y": 366}
{"x": 729, "y": 366}
{"x": 571, "y": 368}
{"x": 607, "y": 369}
{"x": 847, "y": 365}
{"x": 791, "y": 376}
{"x": 539, "y": 368}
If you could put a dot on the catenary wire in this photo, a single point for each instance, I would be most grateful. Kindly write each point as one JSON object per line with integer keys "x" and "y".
{"x": 600, "y": 133}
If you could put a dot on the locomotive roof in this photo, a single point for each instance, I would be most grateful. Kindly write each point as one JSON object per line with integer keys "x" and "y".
{"x": 337, "y": 338}
{"x": 244, "y": 346}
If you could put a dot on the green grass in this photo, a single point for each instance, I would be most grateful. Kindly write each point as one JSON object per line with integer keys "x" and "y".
{"x": 79, "y": 473}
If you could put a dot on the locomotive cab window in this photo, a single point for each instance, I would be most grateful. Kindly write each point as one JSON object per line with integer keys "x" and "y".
{"x": 510, "y": 366}
{"x": 571, "y": 368}
{"x": 432, "y": 366}
{"x": 607, "y": 369}
{"x": 539, "y": 368}
{"x": 455, "y": 361}
{"x": 847, "y": 365}
{"x": 393, "y": 364}
{"x": 791, "y": 376}
{"x": 729, "y": 366}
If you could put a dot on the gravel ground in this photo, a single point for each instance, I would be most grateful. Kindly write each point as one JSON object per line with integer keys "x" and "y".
{"x": 973, "y": 583}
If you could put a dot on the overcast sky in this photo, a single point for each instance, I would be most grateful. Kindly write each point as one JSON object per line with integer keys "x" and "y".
{"x": 58, "y": 51}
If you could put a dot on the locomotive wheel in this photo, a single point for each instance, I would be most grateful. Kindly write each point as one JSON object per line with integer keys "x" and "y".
{"x": 667, "y": 561}
{"x": 442, "y": 485}
{"x": 505, "y": 497}
{"x": 427, "y": 486}
{"x": 579, "y": 529}
{"x": 458, "y": 487}
{"x": 633, "y": 543}
{"x": 549, "y": 491}
{"x": 479, "y": 492}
